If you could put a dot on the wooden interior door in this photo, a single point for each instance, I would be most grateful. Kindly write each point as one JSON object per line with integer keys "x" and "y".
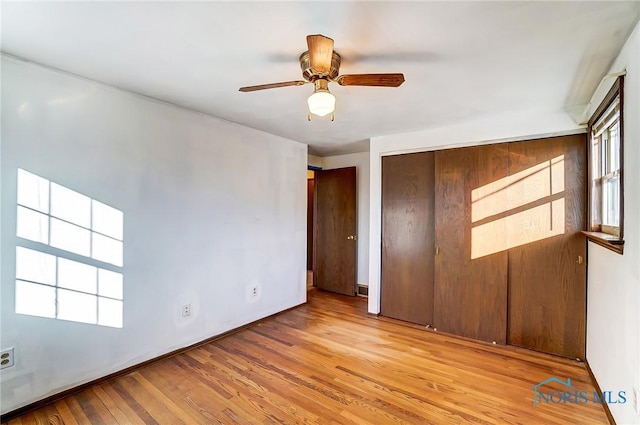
{"x": 408, "y": 237}
{"x": 335, "y": 230}
{"x": 547, "y": 269}
{"x": 310, "y": 244}
{"x": 470, "y": 292}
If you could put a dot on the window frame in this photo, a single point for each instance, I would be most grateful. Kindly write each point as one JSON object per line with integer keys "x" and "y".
{"x": 606, "y": 236}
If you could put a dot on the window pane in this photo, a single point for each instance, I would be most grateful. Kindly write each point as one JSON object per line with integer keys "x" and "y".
{"x": 35, "y": 300}
{"x": 614, "y": 147}
{"x": 70, "y": 206}
{"x": 605, "y": 153}
{"x": 596, "y": 158}
{"x": 106, "y": 249}
{"x": 69, "y": 237}
{"x": 77, "y": 307}
{"x": 109, "y": 284}
{"x": 33, "y": 191}
{"x": 78, "y": 276}
{"x": 32, "y": 225}
{"x": 611, "y": 200}
{"x": 596, "y": 203}
{"x": 106, "y": 220}
{"x": 35, "y": 266}
{"x": 110, "y": 312}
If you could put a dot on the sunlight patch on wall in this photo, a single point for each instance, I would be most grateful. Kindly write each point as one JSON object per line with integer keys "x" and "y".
{"x": 56, "y": 287}
{"x": 47, "y": 283}
{"x": 519, "y": 229}
{"x": 517, "y": 203}
{"x": 544, "y": 179}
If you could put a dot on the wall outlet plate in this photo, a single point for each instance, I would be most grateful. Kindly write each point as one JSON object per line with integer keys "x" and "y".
{"x": 253, "y": 292}
{"x": 186, "y": 310}
{"x": 6, "y": 358}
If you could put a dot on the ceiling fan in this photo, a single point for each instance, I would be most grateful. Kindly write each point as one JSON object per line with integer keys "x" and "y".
{"x": 320, "y": 65}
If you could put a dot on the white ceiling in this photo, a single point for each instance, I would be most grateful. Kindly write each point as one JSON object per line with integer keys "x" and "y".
{"x": 461, "y": 60}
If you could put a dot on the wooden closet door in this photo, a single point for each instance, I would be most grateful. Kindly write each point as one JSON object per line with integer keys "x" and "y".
{"x": 470, "y": 292}
{"x": 408, "y": 237}
{"x": 547, "y": 279}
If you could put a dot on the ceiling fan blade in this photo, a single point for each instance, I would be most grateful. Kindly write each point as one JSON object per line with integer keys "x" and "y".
{"x": 272, "y": 86}
{"x": 376, "y": 80}
{"x": 320, "y": 52}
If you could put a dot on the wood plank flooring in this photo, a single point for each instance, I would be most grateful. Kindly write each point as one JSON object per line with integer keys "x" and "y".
{"x": 327, "y": 362}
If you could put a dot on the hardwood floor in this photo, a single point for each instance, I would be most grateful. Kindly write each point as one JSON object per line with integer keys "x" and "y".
{"x": 327, "y": 362}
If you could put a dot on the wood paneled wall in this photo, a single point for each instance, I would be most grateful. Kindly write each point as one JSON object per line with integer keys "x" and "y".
{"x": 496, "y": 254}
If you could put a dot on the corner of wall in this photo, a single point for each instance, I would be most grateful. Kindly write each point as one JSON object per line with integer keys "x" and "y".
{"x": 315, "y": 161}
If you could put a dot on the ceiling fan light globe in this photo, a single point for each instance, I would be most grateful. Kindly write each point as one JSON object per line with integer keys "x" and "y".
{"x": 321, "y": 103}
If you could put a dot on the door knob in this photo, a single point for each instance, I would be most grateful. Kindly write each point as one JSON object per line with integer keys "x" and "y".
{"x": 352, "y": 237}
{"x": 579, "y": 260}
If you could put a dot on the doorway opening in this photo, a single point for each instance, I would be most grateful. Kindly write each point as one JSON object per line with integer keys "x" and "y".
{"x": 333, "y": 249}
{"x": 311, "y": 173}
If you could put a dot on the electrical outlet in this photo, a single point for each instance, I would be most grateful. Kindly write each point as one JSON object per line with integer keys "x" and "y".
{"x": 186, "y": 310}
{"x": 6, "y": 358}
{"x": 636, "y": 400}
{"x": 252, "y": 292}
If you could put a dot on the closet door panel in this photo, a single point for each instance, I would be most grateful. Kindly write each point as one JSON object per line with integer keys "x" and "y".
{"x": 470, "y": 287}
{"x": 547, "y": 268}
{"x": 408, "y": 237}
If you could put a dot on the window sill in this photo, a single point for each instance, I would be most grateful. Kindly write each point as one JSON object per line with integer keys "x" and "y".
{"x": 606, "y": 240}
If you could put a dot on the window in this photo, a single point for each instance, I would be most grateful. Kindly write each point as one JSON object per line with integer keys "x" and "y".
{"x": 49, "y": 283}
{"x": 605, "y": 171}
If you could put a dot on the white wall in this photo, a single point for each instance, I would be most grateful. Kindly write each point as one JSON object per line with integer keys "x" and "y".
{"x": 361, "y": 162}
{"x": 315, "y": 161}
{"x": 613, "y": 298}
{"x": 210, "y": 207}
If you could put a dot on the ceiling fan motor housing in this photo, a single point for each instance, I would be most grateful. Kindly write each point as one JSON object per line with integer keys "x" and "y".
{"x": 310, "y": 74}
